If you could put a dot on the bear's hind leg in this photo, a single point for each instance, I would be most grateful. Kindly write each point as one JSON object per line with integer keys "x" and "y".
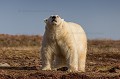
{"x": 60, "y": 61}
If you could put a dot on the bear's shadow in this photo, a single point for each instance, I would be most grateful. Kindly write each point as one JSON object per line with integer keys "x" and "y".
{"x": 62, "y": 69}
{"x": 30, "y": 68}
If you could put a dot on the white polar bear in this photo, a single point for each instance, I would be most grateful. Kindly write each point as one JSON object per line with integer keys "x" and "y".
{"x": 64, "y": 44}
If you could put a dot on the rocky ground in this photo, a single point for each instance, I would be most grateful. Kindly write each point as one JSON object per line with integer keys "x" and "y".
{"x": 23, "y": 62}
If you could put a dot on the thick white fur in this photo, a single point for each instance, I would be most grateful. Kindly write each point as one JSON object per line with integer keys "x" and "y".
{"x": 64, "y": 44}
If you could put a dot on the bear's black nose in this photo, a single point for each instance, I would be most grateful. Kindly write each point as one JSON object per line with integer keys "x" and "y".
{"x": 53, "y": 17}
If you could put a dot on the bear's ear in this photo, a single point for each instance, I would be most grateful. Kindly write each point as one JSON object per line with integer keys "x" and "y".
{"x": 62, "y": 19}
{"x": 45, "y": 20}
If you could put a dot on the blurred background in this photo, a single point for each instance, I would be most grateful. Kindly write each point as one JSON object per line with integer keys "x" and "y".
{"x": 99, "y": 18}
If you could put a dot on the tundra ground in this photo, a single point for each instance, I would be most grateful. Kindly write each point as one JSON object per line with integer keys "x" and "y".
{"x": 22, "y": 56}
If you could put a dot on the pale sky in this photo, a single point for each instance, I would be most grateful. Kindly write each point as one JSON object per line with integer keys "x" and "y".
{"x": 99, "y": 18}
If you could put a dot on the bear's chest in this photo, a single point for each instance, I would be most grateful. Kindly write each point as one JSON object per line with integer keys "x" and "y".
{"x": 54, "y": 35}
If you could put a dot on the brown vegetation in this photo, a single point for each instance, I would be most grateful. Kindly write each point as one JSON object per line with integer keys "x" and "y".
{"x": 22, "y": 53}
{"x": 19, "y": 40}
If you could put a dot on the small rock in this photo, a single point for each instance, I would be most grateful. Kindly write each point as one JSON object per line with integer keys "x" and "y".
{"x": 114, "y": 69}
{"x": 4, "y": 65}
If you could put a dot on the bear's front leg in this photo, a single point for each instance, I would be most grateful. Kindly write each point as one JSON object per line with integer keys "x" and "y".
{"x": 47, "y": 59}
{"x": 69, "y": 51}
{"x": 82, "y": 61}
{"x": 73, "y": 61}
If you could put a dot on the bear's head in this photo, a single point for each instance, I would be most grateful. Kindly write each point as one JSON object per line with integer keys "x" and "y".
{"x": 53, "y": 20}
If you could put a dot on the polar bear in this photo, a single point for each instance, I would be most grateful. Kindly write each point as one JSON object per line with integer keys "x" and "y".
{"x": 64, "y": 45}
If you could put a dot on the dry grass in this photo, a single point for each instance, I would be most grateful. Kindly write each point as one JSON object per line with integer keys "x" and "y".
{"x": 19, "y": 40}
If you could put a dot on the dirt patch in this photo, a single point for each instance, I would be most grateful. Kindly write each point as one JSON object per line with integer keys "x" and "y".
{"x": 26, "y": 64}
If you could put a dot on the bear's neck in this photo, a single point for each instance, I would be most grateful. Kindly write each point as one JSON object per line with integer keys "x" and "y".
{"x": 54, "y": 28}
{"x": 56, "y": 32}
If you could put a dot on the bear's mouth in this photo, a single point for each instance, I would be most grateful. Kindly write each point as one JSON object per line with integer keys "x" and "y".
{"x": 54, "y": 20}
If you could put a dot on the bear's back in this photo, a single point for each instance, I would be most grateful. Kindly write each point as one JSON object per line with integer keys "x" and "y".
{"x": 76, "y": 29}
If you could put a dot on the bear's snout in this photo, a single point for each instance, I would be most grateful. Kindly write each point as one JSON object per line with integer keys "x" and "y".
{"x": 53, "y": 17}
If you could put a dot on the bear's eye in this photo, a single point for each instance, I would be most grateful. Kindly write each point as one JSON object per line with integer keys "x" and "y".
{"x": 50, "y": 16}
